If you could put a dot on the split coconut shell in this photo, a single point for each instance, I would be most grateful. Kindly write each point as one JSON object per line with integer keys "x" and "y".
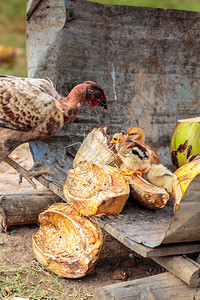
{"x": 97, "y": 148}
{"x": 96, "y": 189}
{"x": 147, "y": 194}
{"x": 185, "y": 141}
{"x": 182, "y": 177}
{"x": 67, "y": 243}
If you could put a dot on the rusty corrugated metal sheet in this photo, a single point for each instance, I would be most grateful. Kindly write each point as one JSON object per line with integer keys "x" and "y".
{"x": 146, "y": 59}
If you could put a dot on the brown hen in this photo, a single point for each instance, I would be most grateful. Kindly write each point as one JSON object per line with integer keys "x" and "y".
{"x": 31, "y": 109}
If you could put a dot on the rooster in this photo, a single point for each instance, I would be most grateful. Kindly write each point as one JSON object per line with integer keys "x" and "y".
{"x": 31, "y": 109}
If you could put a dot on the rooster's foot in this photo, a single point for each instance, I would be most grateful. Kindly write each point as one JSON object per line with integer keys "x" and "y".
{"x": 32, "y": 173}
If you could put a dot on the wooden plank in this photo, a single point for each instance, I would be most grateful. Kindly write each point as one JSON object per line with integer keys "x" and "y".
{"x": 117, "y": 226}
{"x": 182, "y": 267}
{"x": 160, "y": 287}
{"x": 162, "y": 250}
{"x": 137, "y": 225}
{"x": 50, "y": 183}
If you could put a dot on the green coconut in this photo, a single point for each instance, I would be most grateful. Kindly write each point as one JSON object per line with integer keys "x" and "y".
{"x": 185, "y": 141}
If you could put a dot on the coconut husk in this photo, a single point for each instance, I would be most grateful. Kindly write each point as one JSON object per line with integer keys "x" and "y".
{"x": 97, "y": 148}
{"x": 185, "y": 141}
{"x": 182, "y": 177}
{"x": 96, "y": 189}
{"x": 67, "y": 243}
{"x": 147, "y": 194}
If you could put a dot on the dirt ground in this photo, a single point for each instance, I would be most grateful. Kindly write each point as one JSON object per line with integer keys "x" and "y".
{"x": 16, "y": 254}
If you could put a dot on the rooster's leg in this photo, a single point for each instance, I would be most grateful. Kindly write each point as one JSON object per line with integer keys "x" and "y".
{"x": 28, "y": 175}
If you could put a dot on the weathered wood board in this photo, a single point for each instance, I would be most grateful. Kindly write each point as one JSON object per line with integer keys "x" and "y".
{"x": 138, "y": 227}
{"x": 182, "y": 267}
{"x": 162, "y": 287}
{"x": 152, "y": 228}
{"x": 146, "y": 59}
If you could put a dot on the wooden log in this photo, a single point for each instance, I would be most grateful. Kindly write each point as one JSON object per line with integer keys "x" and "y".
{"x": 24, "y": 208}
{"x": 164, "y": 286}
{"x": 184, "y": 268}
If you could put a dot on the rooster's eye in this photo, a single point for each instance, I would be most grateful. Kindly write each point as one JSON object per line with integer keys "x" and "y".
{"x": 98, "y": 95}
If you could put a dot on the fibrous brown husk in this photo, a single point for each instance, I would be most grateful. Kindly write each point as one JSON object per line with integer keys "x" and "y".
{"x": 67, "y": 243}
{"x": 96, "y": 189}
{"x": 147, "y": 194}
{"x": 182, "y": 177}
{"x": 97, "y": 148}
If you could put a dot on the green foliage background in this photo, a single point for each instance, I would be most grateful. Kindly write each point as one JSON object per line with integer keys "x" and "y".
{"x": 13, "y": 33}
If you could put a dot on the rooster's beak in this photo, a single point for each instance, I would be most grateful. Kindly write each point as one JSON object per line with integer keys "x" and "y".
{"x": 104, "y": 105}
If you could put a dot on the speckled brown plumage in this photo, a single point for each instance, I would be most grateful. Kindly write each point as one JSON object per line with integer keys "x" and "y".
{"x": 31, "y": 109}
{"x": 134, "y": 156}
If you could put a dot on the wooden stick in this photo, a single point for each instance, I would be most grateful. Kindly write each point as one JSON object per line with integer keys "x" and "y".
{"x": 24, "y": 208}
{"x": 184, "y": 268}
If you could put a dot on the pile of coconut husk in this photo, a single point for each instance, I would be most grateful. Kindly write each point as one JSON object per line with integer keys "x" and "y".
{"x": 97, "y": 151}
{"x": 68, "y": 242}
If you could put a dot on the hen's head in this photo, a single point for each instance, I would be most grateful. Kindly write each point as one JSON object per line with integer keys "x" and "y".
{"x": 94, "y": 94}
{"x": 136, "y": 134}
{"x": 118, "y": 137}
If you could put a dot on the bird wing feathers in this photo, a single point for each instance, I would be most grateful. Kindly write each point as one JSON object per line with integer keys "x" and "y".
{"x": 29, "y": 111}
{"x": 25, "y": 102}
{"x": 154, "y": 158}
{"x": 134, "y": 155}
